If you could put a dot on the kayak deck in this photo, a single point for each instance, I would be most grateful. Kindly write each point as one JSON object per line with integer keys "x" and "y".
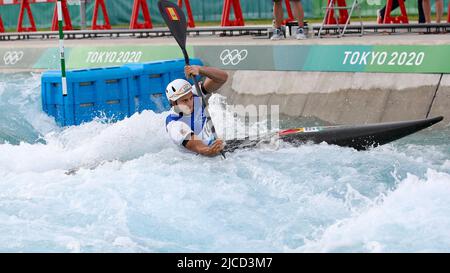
{"x": 359, "y": 137}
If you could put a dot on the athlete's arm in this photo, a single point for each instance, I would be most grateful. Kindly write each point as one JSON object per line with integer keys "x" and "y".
{"x": 215, "y": 77}
{"x": 197, "y": 146}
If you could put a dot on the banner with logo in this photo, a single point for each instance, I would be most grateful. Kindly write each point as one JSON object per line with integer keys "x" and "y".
{"x": 332, "y": 58}
{"x": 88, "y": 57}
{"x": 396, "y": 59}
{"x": 241, "y": 57}
{"x": 14, "y": 58}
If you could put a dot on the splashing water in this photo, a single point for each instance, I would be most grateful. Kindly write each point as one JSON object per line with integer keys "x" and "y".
{"x": 148, "y": 196}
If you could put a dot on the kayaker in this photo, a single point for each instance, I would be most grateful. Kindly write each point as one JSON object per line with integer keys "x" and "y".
{"x": 186, "y": 123}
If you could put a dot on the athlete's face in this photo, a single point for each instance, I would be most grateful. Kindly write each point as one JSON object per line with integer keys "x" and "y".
{"x": 186, "y": 103}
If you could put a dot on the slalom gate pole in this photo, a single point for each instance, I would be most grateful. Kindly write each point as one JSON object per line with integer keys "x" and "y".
{"x": 61, "y": 48}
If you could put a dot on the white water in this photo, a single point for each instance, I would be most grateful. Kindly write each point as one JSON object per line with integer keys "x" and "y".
{"x": 148, "y": 196}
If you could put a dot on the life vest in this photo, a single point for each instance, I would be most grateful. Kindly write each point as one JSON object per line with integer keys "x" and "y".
{"x": 180, "y": 126}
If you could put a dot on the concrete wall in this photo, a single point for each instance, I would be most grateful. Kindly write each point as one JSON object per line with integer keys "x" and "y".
{"x": 441, "y": 104}
{"x": 343, "y": 98}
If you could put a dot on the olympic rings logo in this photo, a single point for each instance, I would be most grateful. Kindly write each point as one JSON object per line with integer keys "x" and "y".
{"x": 233, "y": 57}
{"x": 12, "y": 57}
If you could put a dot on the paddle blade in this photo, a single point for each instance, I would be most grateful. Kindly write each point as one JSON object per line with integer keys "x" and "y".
{"x": 175, "y": 20}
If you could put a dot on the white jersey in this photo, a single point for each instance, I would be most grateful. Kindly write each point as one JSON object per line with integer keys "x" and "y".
{"x": 180, "y": 126}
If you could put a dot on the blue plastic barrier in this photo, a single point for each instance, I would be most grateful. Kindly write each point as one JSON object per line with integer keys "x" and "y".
{"x": 113, "y": 92}
{"x": 91, "y": 93}
{"x": 149, "y": 81}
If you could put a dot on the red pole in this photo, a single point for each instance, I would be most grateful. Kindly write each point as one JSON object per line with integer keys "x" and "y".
{"x": 106, "y": 25}
{"x": 134, "y": 24}
{"x": 239, "y": 18}
{"x": 343, "y": 13}
{"x": 2, "y": 28}
{"x": 330, "y": 20}
{"x": 448, "y": 16}
{"x": 404, "y": 17}
{"x": 289, "y": 11}
{"x": 191, "y": 22}
{"x": 225, "y": 14}
{"x": 388, "y": 19}
{"x": 66, "y": 15}
{"x": 239, "y": 21}
{"x": 387, "y": 12}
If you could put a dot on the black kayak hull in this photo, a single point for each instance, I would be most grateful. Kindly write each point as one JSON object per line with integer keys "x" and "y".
{"x": 359, "y": 137}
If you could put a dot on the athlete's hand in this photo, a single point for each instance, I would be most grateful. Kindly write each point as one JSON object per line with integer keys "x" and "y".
{"x": 191, "y": 70}
{"x": 216, "y": 148}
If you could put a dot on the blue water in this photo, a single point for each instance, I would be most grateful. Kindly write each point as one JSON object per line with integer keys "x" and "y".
{"x": 148, "y": 196}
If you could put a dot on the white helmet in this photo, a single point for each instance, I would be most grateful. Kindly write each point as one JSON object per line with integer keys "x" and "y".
{"x": 177, "y": 89}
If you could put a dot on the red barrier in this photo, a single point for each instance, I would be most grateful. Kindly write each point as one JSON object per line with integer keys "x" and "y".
{"x": 239, "y": 18}
{"x": 191, "y": 22}
{"x": 2, "y": 28}
{"x": 25, "y": 6}
{"x": 343, "y": 13}
{"x": 402, "y": 19}
{"x": 66, "y": 16}
{"x": 134, "y": 24}
{"x": 448, "y": 16}
{"x": 106, "y": 25}
{"x": 9, "y": 2}
{"x": 290, "y": 14}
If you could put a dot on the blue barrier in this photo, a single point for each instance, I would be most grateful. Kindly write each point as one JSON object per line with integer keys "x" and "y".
{"x": 147, "y": 87}
{"x": 113, "y": 92}
{"x": 149, "y": 81}
{"x": 91, "y": 93}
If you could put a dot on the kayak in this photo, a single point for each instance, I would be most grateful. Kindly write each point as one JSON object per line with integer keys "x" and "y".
{"x": 359, "y": 137}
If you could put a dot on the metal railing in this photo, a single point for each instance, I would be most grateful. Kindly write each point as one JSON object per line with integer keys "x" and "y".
{"x": 258, "y": 31}
{"x": 142, "y": 33}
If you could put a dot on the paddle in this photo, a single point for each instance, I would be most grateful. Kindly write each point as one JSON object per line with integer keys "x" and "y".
{"x": 176, "y": 21}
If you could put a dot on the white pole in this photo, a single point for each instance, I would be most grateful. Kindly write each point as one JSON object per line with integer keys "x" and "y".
{"x": 61, "y": 48}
